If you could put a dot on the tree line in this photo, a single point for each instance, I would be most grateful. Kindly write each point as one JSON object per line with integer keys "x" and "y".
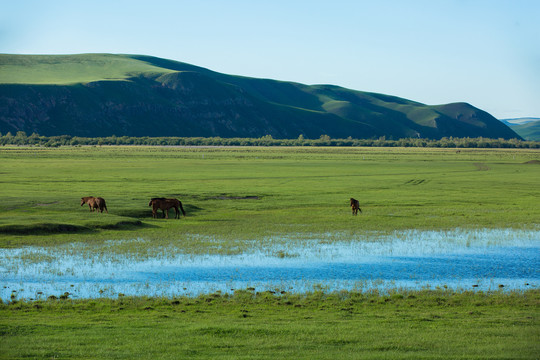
{"x": 21, "y": 138}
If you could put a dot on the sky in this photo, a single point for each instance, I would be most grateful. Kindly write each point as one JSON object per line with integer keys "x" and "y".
{"x": 484, "y": 52}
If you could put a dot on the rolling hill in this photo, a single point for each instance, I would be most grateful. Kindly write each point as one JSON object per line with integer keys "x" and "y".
{"x": 134, "y": 95}
{"x": 527, "y": 128}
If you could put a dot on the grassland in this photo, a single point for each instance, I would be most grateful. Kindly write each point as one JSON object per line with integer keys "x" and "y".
{"x": 238, "y": 198}
{"x": 235, "y": 196}
{"x": 417, "y": 325}
{"x": 74, "y": 69}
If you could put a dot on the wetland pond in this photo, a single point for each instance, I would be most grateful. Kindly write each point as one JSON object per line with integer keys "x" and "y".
{"x": 487, "y": 259}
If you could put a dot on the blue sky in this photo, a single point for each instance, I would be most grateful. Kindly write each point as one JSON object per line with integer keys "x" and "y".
{"x": 484, "y": 52}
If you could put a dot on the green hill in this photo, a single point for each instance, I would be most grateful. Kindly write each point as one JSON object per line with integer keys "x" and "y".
{"x": 105, "y": 94}
{"x": 527, "y": 128}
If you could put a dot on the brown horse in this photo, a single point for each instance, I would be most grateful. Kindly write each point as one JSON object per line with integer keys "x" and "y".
{"x": 95, "y": 203}
{"x": 355, "y": 206}
{"x": 165, "y": 204}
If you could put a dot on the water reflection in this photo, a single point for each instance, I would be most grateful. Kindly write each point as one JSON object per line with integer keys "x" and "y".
{"x": 458, "y": 259}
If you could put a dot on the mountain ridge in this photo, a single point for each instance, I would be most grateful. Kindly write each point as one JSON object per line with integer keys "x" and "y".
{"x": 139, "y": 95}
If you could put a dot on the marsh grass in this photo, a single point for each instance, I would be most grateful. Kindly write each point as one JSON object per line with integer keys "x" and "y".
{"x": 403, "y": 260}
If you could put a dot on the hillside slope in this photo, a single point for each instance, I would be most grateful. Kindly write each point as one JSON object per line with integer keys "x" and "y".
{"x": 528, "y": 129}
{"x": 104, "y": 94}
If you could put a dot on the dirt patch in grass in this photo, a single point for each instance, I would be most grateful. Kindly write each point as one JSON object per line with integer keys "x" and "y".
{"x": 44, "y": 228}
{"x": 534, "y": 162}
{"x": 481, "y": 167}
{"x": 48, "y": 204}
{"x": 231, "y": 197}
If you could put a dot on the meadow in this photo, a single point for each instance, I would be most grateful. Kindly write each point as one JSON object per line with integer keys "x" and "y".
{"x": 239, "y": 199}
{"x": 416, "y": 325}
{"x": 235, "y": 197}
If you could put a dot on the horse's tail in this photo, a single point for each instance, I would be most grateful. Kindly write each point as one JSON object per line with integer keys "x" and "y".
{"x": 181, "y": 207}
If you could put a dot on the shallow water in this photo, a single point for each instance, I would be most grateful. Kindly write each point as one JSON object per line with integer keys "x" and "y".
{"x": 458, "y": 259}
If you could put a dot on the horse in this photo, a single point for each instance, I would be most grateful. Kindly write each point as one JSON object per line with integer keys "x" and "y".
{"x": 95, "y": 203}
{"x": 355, "y": 206}
{"x": 165, "y": 204}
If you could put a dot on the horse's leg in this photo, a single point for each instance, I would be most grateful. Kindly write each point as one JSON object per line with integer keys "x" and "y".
{"x": 166, "y": 211}
{"x": 176, "y": 213}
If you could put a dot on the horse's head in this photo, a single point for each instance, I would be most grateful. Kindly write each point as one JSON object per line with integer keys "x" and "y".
{"x": 83, "y": 201}
{"x": 150, "y": 203}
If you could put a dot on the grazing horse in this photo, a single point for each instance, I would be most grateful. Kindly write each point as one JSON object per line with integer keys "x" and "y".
{"x": 95, "y": 203}
{"x": 355, "y": 206}
{"x": 165, "y": 204}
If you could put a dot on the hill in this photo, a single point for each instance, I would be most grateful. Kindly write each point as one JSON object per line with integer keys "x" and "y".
{"x": 527, "y": 128}
{"x": 519, "y": 121}
{"x": 134, "y": 95}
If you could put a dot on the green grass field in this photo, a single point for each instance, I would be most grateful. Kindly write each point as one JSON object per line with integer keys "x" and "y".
{"x": 246, "y": 194}
{"x": 73, "y": 69}
{"x": 237, "y": 199}
{"x": 416, "y": 325}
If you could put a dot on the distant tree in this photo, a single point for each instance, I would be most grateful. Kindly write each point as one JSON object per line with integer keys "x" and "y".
{"x": 324, "y": 138}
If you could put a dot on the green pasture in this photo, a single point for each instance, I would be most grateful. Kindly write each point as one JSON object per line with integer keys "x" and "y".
{"x": 415, "y": 325}
{"x": 236, "y": 197}
{"x": 71, "y": 69}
